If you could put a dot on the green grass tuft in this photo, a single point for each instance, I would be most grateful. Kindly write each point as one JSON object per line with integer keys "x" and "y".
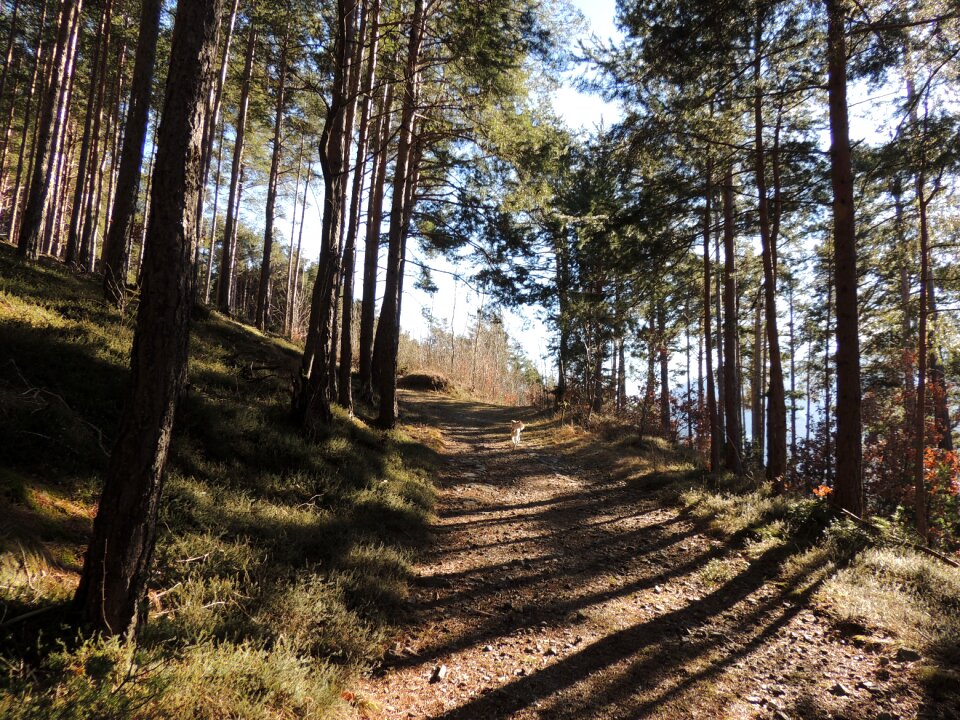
{"x": 281, "y": 563}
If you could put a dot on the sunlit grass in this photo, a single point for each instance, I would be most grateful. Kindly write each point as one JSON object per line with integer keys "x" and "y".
{"x": 281, "y": 563}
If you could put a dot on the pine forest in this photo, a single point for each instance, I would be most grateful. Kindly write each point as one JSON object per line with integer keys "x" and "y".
{"x": 454, "y": 359}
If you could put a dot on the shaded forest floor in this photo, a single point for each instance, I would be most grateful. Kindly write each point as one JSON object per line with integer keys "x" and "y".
{"x": 580, "y": 577}
{"x": 282, "y": 563}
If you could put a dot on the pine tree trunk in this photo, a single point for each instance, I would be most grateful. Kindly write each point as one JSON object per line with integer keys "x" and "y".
{"x": 61, "y": 133}
{"x": 56, "y": 238}
{"x": 621, "y": 376}
{"x": 297, "y": 282}
{"x": 45, "y": 147}
{"x": 117, "y": 566}
{"x": 717, "y": 308}
{"x": 226, "y": 281}
{"x": 8, "y": 121}
{"x": 211, "y": 245}
{"x": 793, "y": 375}
{"x": 211, "y": 119}
{"x": 80, "y": 191}
{"x": 938, "y": 380}
{"x": 828, "y": 382}
{"x": 291, "y": 277}
{"x": 262, "y": 314}
{"x": 131, "y": 155}
{"x": 368, "y": 303}
{"x": 357, "y": 32}
{"x": 403, "y": 176}
{"x": 39, "y": 55}
{"x": 908, "y": 343}
{"x": 664, "y": 357}
{"x": 756, "y": 384}
{"x": 713, "y": 422}
{"x": 776, "y": 425}
{"x": 731, "y": 385}
{"x": 92, "y": 172}
{"x": 848, "y": 491}
{"x": 921, "y": 508}
{"x": 350, "y": 247}
{"x": 312, "y": 398}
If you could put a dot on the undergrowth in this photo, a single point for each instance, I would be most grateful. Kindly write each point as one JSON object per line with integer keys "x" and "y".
{"x": 281, "y": 563}
{"x": 868, "y": 578}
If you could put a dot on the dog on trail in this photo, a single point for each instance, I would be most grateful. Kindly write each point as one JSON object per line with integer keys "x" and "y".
{"x": 516, "y": 427}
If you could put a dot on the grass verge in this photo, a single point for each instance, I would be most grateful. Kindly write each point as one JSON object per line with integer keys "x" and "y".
{"x": 281, "y": 563}
{"x": 876, "y": 589}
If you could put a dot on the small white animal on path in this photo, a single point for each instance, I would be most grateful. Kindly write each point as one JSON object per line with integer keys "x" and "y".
{"x": 517, "y": 427}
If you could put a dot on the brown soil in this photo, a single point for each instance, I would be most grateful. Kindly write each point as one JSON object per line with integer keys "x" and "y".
{"x": 556, "y": 589}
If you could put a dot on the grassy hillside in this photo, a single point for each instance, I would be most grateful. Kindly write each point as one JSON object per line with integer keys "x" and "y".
{"x": 281, "y": 563}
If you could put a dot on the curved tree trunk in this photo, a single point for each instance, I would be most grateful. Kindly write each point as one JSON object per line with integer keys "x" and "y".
{"x": 403, "y": 176}
{"x": 312, "y": 398}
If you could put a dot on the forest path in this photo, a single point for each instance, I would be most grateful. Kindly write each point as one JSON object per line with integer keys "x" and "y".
{"x": 555, "y": 589}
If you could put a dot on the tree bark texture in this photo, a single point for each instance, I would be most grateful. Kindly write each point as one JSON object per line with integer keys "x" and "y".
{"x": 312, "y": 400}
{"x": 45, "y": 146}
{"x": 226, "y": 281}
{"x": 731, "y": 383}
{"x": 848, "y": 490}
{"x": 403, "y": 176}
{"x": 131, "y": 155}
{"x": 350, "y": 246}
{"x": 114, "y": 580}
{"x": 262, "y": 314}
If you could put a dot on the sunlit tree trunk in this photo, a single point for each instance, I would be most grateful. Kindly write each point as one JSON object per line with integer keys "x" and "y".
{"x": 45, "y": 147}
{"x": 399, "y": 214}
{"x": 288, "y": 300}
{"x": 663, "y": 352}
{"x": 131, "y": 155}
{"x": 350, "y": 247}
{"x": 848, "y": 489}
{"x": 312, "y": 399}
{"x": 226, "y": 280}
{"x": 756, "y": 383}
{"x": 36, "y": 72}
{"x": 713, "y": 422}
{"x": 368, "y": 303}
{"x": 8, "y": 60}
{"x": 262, "y": 313}
{"x": 117, "y": 566}
{"x": 733, "y": 453}
{"x": 92, "y": 173}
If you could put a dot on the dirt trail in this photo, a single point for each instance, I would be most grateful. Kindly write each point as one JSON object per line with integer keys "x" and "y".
{"x": 553, "y": 590}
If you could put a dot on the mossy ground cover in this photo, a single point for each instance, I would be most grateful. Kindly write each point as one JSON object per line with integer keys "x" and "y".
{"x": 281, "y": 565}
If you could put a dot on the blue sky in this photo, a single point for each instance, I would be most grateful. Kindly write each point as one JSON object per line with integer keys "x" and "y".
{"x": 581, "y": 112}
